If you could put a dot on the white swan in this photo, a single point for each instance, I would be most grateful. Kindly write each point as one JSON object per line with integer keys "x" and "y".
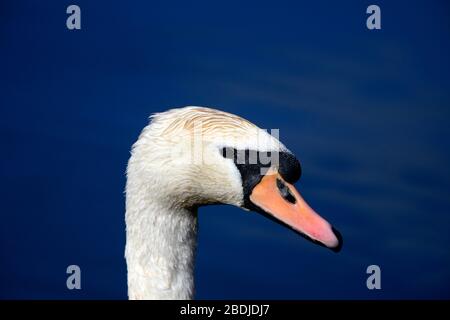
{"x": 193, "y": 156}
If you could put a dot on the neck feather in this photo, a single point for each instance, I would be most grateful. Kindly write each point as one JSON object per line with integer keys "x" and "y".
{"x": 160, "y": 248}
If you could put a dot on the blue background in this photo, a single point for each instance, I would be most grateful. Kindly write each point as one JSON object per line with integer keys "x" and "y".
{"x": 367, "y": 113}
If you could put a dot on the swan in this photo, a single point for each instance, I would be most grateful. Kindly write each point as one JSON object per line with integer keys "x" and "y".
{"x": 193, "y": 156}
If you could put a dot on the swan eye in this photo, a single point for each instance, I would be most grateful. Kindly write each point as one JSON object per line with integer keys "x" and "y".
{"x": 285, "y": 192}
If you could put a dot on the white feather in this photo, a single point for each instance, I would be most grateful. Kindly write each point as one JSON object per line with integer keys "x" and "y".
{"x": 166, "y": 182}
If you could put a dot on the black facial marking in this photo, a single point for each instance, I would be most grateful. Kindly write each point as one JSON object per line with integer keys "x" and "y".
{"x": 251, "y": 163}
{"x": 250, "y": 171}
{"x": 285, "y": 192}
{"x": 290, "y": 168}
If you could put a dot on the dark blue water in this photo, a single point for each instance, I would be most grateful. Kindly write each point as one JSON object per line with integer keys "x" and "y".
{"x": 366, "y": 112}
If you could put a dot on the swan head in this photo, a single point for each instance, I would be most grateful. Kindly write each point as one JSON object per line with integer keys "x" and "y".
{"x": 194, "y": 156}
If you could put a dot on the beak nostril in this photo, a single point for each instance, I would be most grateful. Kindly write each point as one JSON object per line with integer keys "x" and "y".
{"x": 285, "y": 192}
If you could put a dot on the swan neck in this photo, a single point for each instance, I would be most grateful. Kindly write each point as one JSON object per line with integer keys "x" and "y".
{"x": 160, "y": 249}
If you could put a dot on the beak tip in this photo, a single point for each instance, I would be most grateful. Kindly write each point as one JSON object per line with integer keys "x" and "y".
{"x": 338, "y": 235}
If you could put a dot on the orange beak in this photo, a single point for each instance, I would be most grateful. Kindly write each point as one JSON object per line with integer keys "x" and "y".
{"x": 280, "y": 200}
